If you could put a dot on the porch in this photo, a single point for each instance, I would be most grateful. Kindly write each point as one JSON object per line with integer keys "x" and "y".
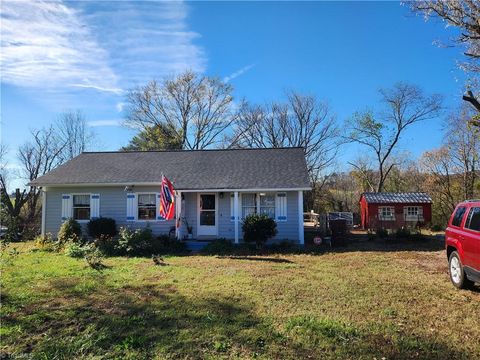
{"x": 207, "y": 215}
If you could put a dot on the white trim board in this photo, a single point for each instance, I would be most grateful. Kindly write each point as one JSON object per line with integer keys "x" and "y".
{"x": 179, "y": 189}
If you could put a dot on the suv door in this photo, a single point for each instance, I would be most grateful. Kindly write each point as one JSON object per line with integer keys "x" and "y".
{"x": 471, "y": 235}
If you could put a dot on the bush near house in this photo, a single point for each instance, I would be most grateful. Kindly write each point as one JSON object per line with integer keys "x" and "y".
{"x": 164, "y": 244}
{"x": 70, "y": 231}
{"x": 102, "y": 226}
{"x": 258, "y": 228}
{"x": 134, "y": 242}
{"x": 219, "y": 247}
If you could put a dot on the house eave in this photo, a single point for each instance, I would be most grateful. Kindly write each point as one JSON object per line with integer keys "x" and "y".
{"x": 226, "y": 189}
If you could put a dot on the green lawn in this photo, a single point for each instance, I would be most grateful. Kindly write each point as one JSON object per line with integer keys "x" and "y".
{"x": 352, "y": 303}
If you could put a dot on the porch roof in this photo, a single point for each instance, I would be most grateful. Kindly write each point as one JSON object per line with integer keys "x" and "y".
{"x": 280, "y": 168}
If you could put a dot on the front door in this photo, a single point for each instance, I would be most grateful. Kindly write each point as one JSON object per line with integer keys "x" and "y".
{"x": 207, "y": 214}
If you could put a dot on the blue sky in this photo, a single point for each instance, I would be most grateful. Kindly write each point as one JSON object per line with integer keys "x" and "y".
{"x": 84, "y": 55}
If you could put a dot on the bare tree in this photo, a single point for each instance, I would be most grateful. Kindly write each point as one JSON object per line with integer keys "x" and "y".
{"x": 464, "y": 15}
{"x": 11, "y": 206}
{"x": 464, "y": 148}
{"x": 405, "y": 105}
{"x": 440, "y": 181}
{"x": 303, "y": 121}
{"x": 73, "y": 131}
{"x": 196, "y": 107}
{"x": 37, "y": 157}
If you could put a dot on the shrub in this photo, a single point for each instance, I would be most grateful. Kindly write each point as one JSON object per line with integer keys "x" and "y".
{"x": 94, "y": 257}
{"x": 106, "y": 244}
{"x": 75, "y": 250}
{"x": 402, "y": 233}
{"x": 381, "y": 233}
{"x": 284, "y": 246}
{"x": 437, "y": 227}
{"x": 258, "y": 228}
{"x": 219, "y": 247}
{"x": 134, "y": 242}
{"x": 13, "y": 232}
{"x": 47, "y": 243}
{"x": 101, "y": 227}
{"x": 164, "y": 244}
{"x": 70, "y": 231}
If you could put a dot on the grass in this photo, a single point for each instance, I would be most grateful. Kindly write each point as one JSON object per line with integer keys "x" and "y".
{"x": 358, "y": 302}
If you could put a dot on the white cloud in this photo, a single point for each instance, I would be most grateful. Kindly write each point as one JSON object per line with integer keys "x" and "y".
{"x": 47, "y": 45}
{"x": 117, "y": 91}
{"x": 238, "y": 73}
{"x": 119, "y": 106}
{"x": 101, "y": 46}
{"x": 102, "y": 123}
{"x": 146, "y": 40}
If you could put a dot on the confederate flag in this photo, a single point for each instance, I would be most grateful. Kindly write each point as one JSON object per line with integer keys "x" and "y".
{"x": 167, "y": 199}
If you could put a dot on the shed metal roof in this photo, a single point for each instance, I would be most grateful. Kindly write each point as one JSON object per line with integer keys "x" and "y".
{"x": 280, "y": 168}
{"x": 400, "y": 197}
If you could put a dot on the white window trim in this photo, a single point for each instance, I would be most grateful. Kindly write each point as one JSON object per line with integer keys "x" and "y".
{"x": 386, "y": 218}
{"x": 90, "y": 207}
{"x": 257, "y": 205}
{"x": 157, "y": 208}
{"x": 413, "y": 217}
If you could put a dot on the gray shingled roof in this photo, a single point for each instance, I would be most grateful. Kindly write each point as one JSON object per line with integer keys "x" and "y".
{"x": 390, "y": 197}
{"x": 283, "y": 168}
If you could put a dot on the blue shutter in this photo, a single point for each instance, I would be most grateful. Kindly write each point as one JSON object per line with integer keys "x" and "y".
{"x": 67, "y": 206}
{"x": 132, "y": 208}
{"x": 281, "y": 206}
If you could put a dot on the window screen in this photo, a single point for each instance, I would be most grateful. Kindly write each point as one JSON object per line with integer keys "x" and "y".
{"x": 81, "y": 207}
{"x": 473, "y": 222}
{"x": 267, "y": 205}
{"x": 147, "y": 208}
{"x": 458, "y": 216}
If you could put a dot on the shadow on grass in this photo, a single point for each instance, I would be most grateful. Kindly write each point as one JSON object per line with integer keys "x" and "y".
{"x": 150, "y": 321}
{"x": 255, "y": 258}
{"x": 356, "y": 242}
{"x": 141, "y": 322}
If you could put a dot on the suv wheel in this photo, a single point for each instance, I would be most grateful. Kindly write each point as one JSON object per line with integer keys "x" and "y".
{"x": 457, "y": 275}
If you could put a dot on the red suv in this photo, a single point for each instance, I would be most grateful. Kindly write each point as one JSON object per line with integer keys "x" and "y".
{"x": 462, "y": 241}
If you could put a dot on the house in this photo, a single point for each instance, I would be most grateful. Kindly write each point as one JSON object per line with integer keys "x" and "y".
{"x": 394, "y": 210}
{"x": 215, "y": 190}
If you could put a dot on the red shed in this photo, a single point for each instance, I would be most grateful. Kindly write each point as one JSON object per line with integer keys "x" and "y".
{"x": 394, "y": 210}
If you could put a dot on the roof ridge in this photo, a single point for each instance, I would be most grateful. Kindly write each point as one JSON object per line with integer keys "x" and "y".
{"x": 187, "y": 150}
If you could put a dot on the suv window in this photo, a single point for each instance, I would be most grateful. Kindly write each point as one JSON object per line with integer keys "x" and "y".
{"x": 473, "y": 221}
{"x": 458, "y": 216}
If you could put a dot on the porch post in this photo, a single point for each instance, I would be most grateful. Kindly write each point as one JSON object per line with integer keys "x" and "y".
{"x": 44, "y": 210}
{"x": 301, "y": 238}
{"x": 178, "y": 215}
{"x": 235, "y": 214}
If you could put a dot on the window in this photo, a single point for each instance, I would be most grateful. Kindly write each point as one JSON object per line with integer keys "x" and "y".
{"x": 249, "y": 205}
{"x": 267, "y": 205}
{"x": 263, "y": 203}
{"x": 412, "y": 211}
{"x": 147, "y": 206}
{"x": 387, "y": 213}
{"x": 81, "y": 207}
{"x": 473, "y": 222}
{"x": 458, "y": 216}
